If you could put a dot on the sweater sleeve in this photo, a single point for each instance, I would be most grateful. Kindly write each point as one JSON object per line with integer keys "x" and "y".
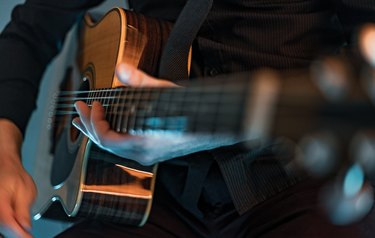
{"x": 28, "y": 43}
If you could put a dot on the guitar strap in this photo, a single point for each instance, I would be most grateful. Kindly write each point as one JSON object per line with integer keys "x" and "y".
{"x": 174, "y": 58}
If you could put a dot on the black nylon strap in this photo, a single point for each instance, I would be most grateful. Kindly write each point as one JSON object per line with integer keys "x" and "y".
{"x": 174, "y": 59}
{"x": 196, "y": 175}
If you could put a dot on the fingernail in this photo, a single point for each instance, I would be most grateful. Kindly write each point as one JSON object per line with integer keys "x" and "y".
{"x": 76, "y": 107}
{"x": 75, "y": 123}
{"x": 26, "y": 225}
{"x": 124, "y": 71}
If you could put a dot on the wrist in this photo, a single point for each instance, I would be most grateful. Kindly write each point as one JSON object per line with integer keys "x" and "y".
{"x": 10, "y": 143}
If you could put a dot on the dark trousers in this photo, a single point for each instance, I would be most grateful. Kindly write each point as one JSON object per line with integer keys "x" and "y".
{"x": 295, "y": 212}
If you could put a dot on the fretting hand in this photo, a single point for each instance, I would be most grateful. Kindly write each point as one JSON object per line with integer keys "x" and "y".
{"x": 93, "y": 124}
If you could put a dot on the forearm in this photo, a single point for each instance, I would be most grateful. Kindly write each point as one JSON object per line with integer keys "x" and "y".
{"x": 17, "y": 189}
{"x": 28, "y": 43}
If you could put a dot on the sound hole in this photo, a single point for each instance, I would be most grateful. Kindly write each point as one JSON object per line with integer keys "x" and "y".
{"x": 65, "y": 135}
{"x": 59, "y": 120}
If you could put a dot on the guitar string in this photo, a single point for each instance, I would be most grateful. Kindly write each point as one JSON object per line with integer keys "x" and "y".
{"x": 192, "y": 86}
{"x": 183, "y": 110}
{"x": 222, "y": 127}
{"x": 206, "y": 112}
{"x": 204, "y": 124}
{"x": 208, "y": 107}
{"x": 170, "y": 122}
{"x": 174, "y": 102}
{"x": 224, "y": 98}
{"x": 116, "y": 123}
{"x": 130, "y": 97}
{"x": 184, "y": 95}
{"x": 69, "y": 95}
{"x": 163, "y": 110}
{"x": 61, "y": 108}
{"x": 142, "y": 116}
{"x": 137, "y": 96}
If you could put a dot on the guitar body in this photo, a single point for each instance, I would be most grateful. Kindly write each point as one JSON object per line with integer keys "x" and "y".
{"x": 88, "y": 181}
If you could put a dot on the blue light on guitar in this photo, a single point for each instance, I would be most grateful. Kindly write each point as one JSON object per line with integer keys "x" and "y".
{"x": 178, "y": 123}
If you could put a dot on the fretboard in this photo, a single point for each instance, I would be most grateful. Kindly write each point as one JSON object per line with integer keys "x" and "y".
{"x": 212, "y": 109}
{"x": 188, "y": 110}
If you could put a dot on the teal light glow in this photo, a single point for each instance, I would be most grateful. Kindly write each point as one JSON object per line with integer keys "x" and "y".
{"x": 176, "y": 123}
{"x": 353, "y": 181}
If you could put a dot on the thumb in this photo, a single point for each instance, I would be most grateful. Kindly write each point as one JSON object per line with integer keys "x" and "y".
{"x": 133, "y": 77}
{"x": 366, "y": 43}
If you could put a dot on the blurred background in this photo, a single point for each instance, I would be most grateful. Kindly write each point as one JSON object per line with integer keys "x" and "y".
{"x": 43, "y": 228}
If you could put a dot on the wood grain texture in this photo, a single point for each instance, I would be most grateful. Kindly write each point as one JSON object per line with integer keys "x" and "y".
{"x": 117, "y": 189}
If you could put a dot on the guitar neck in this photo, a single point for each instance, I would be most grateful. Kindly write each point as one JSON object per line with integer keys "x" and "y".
{"x": 236, "y": 107}
{"x": 214, "y": 109}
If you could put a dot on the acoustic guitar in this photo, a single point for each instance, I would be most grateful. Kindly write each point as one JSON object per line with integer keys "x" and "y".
{"x": 91, "y": 182}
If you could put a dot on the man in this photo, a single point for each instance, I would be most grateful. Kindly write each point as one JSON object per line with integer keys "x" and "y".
{"x": 238, "y": 35}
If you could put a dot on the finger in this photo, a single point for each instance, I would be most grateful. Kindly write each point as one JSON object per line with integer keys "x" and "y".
{"x": 84, "y": 113}
{"x": 131, "y": 76}
{"x": 8, "y": 232}
{"x": 78, "y": 124}
{"x": 22, "y": 210}
{"x": 22, "y": 204}
{"x": 8, "y": 222}
{"x": 98, "y": 121}
{"x": 105, "y": 135}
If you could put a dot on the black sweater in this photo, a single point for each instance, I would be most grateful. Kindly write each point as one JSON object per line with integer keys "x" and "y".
{"x": 238, "y": 35}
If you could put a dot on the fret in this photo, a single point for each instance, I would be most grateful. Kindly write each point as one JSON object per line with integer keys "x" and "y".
{"x": 116, "y": 101}
{"x": 103, "y": 96}
{"x": 111, "y": 106}
{"x": 195, "y": 109}
{"x": 167, "y": 110}
{"x": 95, "y": 96}
{"x": 134, "y": 105}
{"x": 144, "y": 108}
{"x": 151, "y": 124}
{"x": 131, "y": 108}
{"x": 89, "y": 97}
{"x": 210, "y": 109}
{"x": 182, "y": 107}
{"x": 120, "y": 111}
{"x": 126, "y": 110}
{"x": 106, "y": 96}
{"x": 141, "y": 111}
{"x": 182, "y": 116}
{"x": 202, "y": 110}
